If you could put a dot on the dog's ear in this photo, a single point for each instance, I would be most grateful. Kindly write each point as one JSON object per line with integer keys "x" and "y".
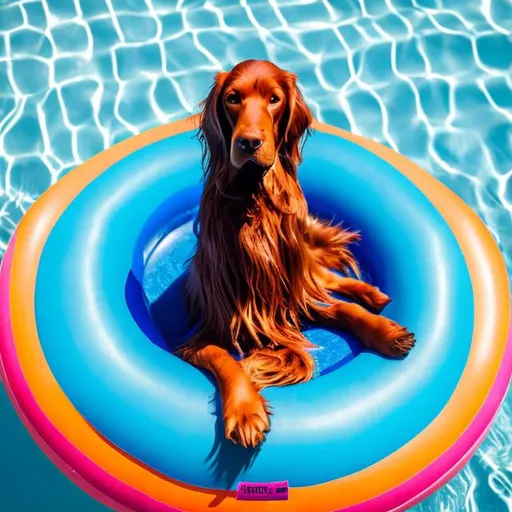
{"x": 296, "y": 121}
{"x": 213, "y": 124}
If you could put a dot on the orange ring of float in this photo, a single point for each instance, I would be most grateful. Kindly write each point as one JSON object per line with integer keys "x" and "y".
{"x": 492, "y": 318}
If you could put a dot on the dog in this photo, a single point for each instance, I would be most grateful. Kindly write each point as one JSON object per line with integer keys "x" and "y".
{"x": 263, "y": 265}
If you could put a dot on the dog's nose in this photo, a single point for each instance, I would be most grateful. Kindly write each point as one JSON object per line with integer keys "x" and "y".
{"x": 249, "y": 145}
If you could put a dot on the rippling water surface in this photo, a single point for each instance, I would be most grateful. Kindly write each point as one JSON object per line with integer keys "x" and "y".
{"x": 430, "y": 78}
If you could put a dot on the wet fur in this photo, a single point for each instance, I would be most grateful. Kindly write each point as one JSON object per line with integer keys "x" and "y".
{"x": 252, "y": 279}
{"x": 263, "y": 264}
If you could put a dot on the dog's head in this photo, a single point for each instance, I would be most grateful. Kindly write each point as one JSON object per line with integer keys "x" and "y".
{"x": 253, "y": 114}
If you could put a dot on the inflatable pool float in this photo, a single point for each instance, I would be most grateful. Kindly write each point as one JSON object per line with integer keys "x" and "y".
{"x": 90, "y": 283}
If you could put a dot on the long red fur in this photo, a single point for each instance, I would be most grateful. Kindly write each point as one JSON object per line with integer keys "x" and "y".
{"x": 252, "y": 278}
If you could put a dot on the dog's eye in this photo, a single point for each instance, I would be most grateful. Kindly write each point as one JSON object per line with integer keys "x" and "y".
{"x": 274, "y": 99}
{"x": 233, "y": 98}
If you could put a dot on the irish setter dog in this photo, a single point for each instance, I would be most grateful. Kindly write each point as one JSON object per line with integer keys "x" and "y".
{"x": 262, "y": 263}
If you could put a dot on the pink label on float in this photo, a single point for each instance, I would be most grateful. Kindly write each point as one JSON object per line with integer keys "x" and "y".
{"x": 251, "y": 491}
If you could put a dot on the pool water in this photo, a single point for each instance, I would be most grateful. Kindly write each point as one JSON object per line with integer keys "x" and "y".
{"x": 429, "y": 78}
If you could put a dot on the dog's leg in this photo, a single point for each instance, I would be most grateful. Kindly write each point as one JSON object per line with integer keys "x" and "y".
{"x": 245, "y": 411}
{"x": 376, "y": 332}
{"x": 361, "y": 292}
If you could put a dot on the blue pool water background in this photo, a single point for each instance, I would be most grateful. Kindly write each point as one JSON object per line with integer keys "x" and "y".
{"x": 429, "y": 78}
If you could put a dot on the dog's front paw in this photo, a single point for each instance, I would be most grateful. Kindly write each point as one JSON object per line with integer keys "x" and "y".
{"x": 246, "y": 416}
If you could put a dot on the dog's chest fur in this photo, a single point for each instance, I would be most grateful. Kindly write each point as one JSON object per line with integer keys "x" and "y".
{"x": 252, "y": 277}
{"x": 270, "y": 247}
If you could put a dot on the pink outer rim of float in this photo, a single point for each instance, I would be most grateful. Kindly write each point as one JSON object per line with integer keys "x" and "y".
{"x": 451, "y": 462}
{"x": 114, "y": 493}
{"x": 73, "y": 463}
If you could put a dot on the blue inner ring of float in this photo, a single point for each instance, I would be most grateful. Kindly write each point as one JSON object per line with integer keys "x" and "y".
{"x": 162, "y": 411}
{"x": 166, "y": 244}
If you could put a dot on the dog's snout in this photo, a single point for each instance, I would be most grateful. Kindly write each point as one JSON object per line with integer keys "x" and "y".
{"x": 249, "y": 145}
